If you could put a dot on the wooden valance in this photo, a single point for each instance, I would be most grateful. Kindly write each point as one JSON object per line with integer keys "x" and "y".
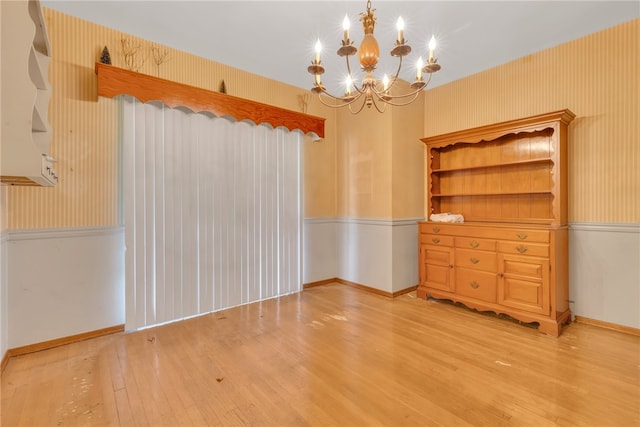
{"x": 114, "y": 81}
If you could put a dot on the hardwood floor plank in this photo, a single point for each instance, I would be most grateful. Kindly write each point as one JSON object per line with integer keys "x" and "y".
{"x": 332, "y": 355}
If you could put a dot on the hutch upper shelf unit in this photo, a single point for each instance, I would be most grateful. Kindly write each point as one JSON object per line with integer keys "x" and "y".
{"x": 510, "y": 256}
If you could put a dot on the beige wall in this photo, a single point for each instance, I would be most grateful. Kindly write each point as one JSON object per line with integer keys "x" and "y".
{"x": 380, "y": 162}
{"x": 369, "y": 165}
{"x": 84, "y": 139}
{"x": 408, "y": 165}
{"x": 598, "y": 78}
{"x": 364, "y": 164}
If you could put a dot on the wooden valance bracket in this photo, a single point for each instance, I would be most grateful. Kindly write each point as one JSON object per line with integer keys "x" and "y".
{"x": 114, "y": 81}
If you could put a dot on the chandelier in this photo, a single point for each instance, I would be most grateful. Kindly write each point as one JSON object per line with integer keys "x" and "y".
{"x": 370, "y": 91}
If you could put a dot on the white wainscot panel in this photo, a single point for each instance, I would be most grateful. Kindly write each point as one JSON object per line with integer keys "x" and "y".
{"x": 64, "y": 282}
{"x": 379, "y": 253}
{"x": 4, "y": 305}
{"x": 320, "y": 249}
{"x": 604, "y": 268}
{"x": 405, "y": 254}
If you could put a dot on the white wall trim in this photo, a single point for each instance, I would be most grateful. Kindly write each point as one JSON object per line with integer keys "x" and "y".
{"x": 606, "y": 227}
{"x": 386, "y": 222}
{"x": 588, "y": 226}
{"x": 61, "y": 233}
{"x": 321, "y": 220}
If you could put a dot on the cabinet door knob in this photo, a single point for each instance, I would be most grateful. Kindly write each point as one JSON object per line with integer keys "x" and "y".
{"x": 436, "y": 229}
{"x": 500, "y": 275}
{"x": 450, "y": 265}
{"x": 435, "y": 240}
{"x": 522, "y": 236}
{"x": 474, "y": 260}
{"x": 474, "y": 244}
{"x": 521, "y": 249}
{"x": 474, "y": 285}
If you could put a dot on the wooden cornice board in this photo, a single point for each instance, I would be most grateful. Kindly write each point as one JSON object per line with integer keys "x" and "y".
{"x": 114, "y": 81}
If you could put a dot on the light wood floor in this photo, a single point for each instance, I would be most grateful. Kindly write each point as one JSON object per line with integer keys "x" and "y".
{"x": 333, "y": 355}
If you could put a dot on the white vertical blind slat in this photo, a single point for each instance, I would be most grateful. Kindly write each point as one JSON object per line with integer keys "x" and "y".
{"x": 212, "y": 212}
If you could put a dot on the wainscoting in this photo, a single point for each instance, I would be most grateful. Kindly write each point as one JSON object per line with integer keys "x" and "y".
{"x": 604, "y": 272}
{"x": 377, "y": 253}
{"x": 604, "y": 262}
{"x": 62, "y": 282}
{"x": 320, "y": 249}
{"x": 4, "y": 302}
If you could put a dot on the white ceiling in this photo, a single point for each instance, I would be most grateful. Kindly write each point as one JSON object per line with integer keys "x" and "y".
{"x": 275, "y": 39}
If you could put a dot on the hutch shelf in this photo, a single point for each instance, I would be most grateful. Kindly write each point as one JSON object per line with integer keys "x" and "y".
{"x": 510, "y": 255}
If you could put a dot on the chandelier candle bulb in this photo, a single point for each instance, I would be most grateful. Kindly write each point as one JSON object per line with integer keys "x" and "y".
{"x": 400, "y": 27}
{"x": 385, "y": 83}
{"x": 345, "y": 26}
{"x": 318, "y": 49}
{"x": 432, "y": 48}
{"x": 419, "y": 69}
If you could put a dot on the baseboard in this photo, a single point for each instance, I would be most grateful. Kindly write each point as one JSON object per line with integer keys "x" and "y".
{"x": 404, "y": 291}
{"x": 360, "y": 286}
{"x": 320, "y": 283}
{"x": 5, "y": 361}
{"x": 33, "y": 348}
{"x": 608, "y": 325}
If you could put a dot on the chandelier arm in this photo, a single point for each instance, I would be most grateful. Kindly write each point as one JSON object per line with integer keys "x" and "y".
{"x": 345, "y": 100}
{"x": 355, "y": 85}
{"x": 359, "y": 109}
{"x": 344, "y": 103}
{"x": 415, "y": 95}
{"x": 384, "y": 96}
{"x": 339, "y": 98}
{"x": 323, "y": 102}
{"x": 395, "y": 77}
{"x": 384, "y": 105}
{"x": 428, "y": 80}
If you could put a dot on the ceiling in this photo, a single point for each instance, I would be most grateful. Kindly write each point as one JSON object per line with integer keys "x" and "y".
{"x": 275, "y": 39}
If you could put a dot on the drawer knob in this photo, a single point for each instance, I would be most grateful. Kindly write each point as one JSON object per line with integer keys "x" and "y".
{"x": 435, "y": 240}
{"x": 474, "y": 244}
{"x": 474, "y": 260}
{"x": 474, "y": 285}
{"x": 521, "y": 249}
{"x": 450, "y": 265}
{"x": 522, "y": 236}
{"x": 436, "y": 229}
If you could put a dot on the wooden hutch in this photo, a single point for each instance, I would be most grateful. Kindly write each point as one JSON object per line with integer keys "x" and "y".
{"x": 510, "y": 255}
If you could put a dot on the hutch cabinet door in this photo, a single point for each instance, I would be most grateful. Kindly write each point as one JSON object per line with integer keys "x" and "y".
{"x": 523, "y": 283}
{"x": 436, "y": 267}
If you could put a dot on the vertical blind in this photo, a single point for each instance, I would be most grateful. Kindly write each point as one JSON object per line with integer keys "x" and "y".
{"x": 212, "y": 212}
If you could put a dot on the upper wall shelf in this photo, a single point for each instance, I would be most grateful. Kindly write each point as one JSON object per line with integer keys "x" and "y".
{"x": 25, "y": 131}
{"x": 114, "y": 81}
